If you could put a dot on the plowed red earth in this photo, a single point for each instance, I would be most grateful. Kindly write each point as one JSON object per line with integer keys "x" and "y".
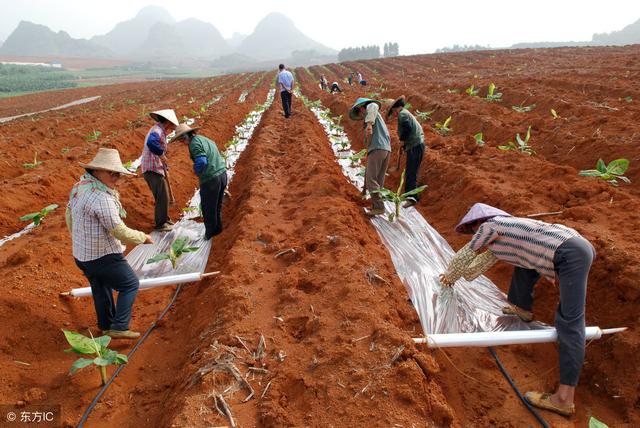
{"x": 338, "y": 349}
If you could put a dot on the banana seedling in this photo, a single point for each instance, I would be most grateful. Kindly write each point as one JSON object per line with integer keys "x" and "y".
{"x": 522, "y": 108}
{"x": 492, "y": 95}
{"x": 555, "y": 114}
{"x": 521, "y": 146}
{"x": 232, "y": 144}
{"x": 38, "y": 217}
{"x": 443, "y": 128}
{"x": 357, "y": 157}
{"x": 35, "y": 163}
{"x": 398, "y": 197}
{"x": 178, "y": 248}
{"x": 478, "y": 137}
{"x": 609, "y": 173}
{"x": 98, "y": 346}
{"x": 472, "y": 91}
{"x": 93, "y": 136}
{"x": 423, "y": 116}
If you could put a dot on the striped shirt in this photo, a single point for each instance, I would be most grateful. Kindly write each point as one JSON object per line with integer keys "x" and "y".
{"x": 149, "y": 161}
{"x": 94, "y": 215}
{"x": 530, "y": 244}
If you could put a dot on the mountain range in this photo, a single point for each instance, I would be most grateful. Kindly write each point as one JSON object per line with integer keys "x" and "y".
{"x": 154, "y": 35}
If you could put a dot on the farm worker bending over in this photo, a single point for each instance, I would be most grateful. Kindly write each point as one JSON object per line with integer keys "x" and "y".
{"x": 210, "y": 167}
{"x": 94, "y": 218}
{"x": 285, "y": 84}
{"x": 536, "y": 249}
{"x": 154, "y": 164}
{"x": 361, "y": 80}
{"x": 335, "y": 87}
{"x": 412, "y": 136}
{"x": 378, "y": 144}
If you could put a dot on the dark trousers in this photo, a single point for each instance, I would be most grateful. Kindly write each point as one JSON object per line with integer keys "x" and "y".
{"x": 211, "y": 194}
{"x": 414, "y": 159}
{"x": 572, "y": 262}
{"x": 108, "y": 273}
{"x": 286, "y": 102}
{"x": 158, "y": 185}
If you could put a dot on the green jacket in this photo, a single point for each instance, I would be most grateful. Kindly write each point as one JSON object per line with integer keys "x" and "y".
{"x": 216, "y": 165}
{"x": 409, "y": 130}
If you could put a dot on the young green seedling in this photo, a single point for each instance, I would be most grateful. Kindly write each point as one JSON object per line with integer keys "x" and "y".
{"x": 361, "y": 172}
{"x": 443, "y": 128}
{"x": 93, "y": 136}
{"x": 128, "y": 165}
{"x": 554, "y": 114}
{"x": 65, "y": 150}
{"x": 628, "y": 99}
{"x": 492, "y": 95}
{"x": 83, "y": 345}
{"x": 178, "y": 248}
{"x": 522, "y": 108}
{"x": 478, "y": 137}
{"x": 35, "y": 163}
{"x": 472, "y": 91}
{"x": 357, "y": 157}
{"x": 423, "y": 116}
{"x": 398, "y": 197}
{"x": 521, "y": 146}
{"x": 595, "y": 423}
{"x": 38, "y": 217}
{"x": 232, "y": 144}
{"x": 609, "y": 173}
{"x": 197, "y": 209}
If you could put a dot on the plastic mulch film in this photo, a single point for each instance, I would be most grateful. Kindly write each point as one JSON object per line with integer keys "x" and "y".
{"x": 193, "y": 262}
{"x": 420, "y": 255}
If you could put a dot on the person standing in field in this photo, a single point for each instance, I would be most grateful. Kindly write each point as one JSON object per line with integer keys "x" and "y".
{"x": 411, "y": 135}
{"x": 535, "y": 249}
{"x": 378, "y": 145}
{"x": 285, "y": 84}
{"x": 323, "y": 83}
{"x": 154, "y": 165}
{"x": 350, "y": 79}
{"x": 94, "y": 217}
{"x": 210, "y": 167}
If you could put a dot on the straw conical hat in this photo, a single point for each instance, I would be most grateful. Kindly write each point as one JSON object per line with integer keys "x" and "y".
{"x": 107, "y": 160}
{"x": 182, "y": 129}
{"x": 168, "y": 114}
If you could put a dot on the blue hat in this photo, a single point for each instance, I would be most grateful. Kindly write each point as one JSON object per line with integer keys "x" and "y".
{"x": 354, "y": 114}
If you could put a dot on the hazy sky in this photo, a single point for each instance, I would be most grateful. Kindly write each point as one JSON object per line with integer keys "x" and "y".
{"x": 418, "y": 26}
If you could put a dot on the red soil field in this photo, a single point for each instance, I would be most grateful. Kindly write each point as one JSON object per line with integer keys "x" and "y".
{"x": 338, "y": 348}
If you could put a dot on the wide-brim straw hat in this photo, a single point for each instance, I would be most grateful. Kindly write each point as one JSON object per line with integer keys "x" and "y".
{"x": 478, "y": 212}
{"x": 395, "y": 104}
{"x": 182, "y": 129}
{"x": 107, "y": 160}
{"x": 354, "y": 113}
{"x": 168, "y": 114}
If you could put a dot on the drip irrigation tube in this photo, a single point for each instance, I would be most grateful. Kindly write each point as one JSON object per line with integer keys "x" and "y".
{"x": 115, "y": 374}
{"x": 517, "y": 391}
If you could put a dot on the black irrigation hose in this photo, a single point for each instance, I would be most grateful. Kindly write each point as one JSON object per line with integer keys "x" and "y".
{"x": 515, "y": 388}
{"x": 122, "y": 366}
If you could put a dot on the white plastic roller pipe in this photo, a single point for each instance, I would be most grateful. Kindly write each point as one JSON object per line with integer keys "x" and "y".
{"x": 151, "y": 282}
{"x": 497, "y": 338}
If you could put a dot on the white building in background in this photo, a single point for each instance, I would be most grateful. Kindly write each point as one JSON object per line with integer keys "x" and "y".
{"x": 35, "y": 64}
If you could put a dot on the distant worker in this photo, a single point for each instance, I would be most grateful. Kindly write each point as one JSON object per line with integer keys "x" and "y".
{"x": 285, "y": 84}
{"x": 211, "y": 169}
{"x": 154, "y": 165}
{"x": 535, "y": 249}
{"x": 94, "y": 218}
{"x": 350, "y": 79}
{"x": 335, "y": 87}
{"x": 361, "y": 80}
{"x": 411, "y": 135}
{"x": 323, "y": 83}
{"x": 378, "y": 145}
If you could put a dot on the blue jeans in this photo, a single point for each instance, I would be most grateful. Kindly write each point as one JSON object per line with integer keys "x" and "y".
{"x": 108, "y": 273}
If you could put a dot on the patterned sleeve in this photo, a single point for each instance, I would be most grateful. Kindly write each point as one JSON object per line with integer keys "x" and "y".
{"x": 479, "y": 265}
{"x": 484, "y": 236}
{"x": 458, "y": 265}
{"x": 106, "y": 211}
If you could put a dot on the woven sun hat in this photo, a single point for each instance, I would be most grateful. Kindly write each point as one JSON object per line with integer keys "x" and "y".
{"x": 478, "y": 212}
{"x": 168, "y": 114}
{"x": 107, "y": 160}
{"x": 182, "y": 129}
{"x": 354, "y": 113}
{"x": 400, "y": 100}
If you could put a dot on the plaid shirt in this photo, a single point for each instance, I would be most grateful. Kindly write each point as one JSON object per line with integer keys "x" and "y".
{"x": 94, "y": 215}
{"x": 150, "y": 161}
